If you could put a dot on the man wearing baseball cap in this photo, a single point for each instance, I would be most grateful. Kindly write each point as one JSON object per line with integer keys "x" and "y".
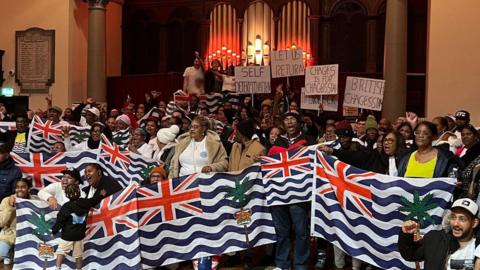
{"x": 462, "y": 118}
{"x": 444, "y": 250}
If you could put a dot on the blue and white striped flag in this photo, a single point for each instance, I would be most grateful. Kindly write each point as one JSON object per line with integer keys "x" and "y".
{"x": 288, "y": 177}
{"x": 220, "y": 227}
{"x": 358, "y": 211}
{"x": 118, "y": 251}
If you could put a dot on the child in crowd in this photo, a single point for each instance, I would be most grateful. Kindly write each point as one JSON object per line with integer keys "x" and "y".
{"x": 8, "y": 218}
{"x": 72, "y": 220}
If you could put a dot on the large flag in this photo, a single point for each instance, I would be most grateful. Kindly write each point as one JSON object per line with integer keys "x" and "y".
{"x": 46, "y": 168}
{"x": 43, "y": 134}
{"x": 175, "y": 220}
{"x": 123, "y": 165}
{"x": 205, "y": 215}
{"x": 287, "y": 177}
{"x": 361, "y": 212}
{"x": 103, "y": 249}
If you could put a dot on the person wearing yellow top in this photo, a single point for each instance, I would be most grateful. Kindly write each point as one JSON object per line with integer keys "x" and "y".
{"x": 427, "y": 161}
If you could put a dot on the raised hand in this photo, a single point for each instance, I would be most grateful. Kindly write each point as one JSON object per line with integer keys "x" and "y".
{"x": 410, "y": 227}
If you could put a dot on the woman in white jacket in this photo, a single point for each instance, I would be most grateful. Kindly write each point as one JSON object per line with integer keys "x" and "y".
{"x": 138, "y": 143}
{"x": 93, "y": 141}
{"x": 54, "y": 193}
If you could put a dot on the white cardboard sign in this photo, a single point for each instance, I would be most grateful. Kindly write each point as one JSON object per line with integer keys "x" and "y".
{"x": 252, "y": 80}
{"x": 330, "y": 102}
{"x": 287, "y": 63}
{"x": 364, "y": 93}
{"x": 321, "y": 80}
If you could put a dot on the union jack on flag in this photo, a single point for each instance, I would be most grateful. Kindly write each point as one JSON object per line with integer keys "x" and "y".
{"x": 168, "y": 200}
{"x": 43, "y": 134}
{"x": 358, "y": 211}
{"x": 111, "y": 152}
{"x": 115, "y": 214}
{"x": 287, "y": 164}
{"x": 42, "y": 167}
{"x": 350, "y": 185}
{"x": 287, "y": 176}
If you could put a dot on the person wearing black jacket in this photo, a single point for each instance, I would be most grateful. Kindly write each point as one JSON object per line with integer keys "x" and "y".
{"x": 98, "y": 181}
{"x": 442, "y": 250}
{"x": 9, "y": 172}
{"x": 293, "y": 215}
{"x": 18, "y": 138}
{"x": 72, "y": 221}
{"x": 384, "y": 162}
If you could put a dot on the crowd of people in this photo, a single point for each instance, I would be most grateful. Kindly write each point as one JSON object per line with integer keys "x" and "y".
{"x": 185, "y": 136}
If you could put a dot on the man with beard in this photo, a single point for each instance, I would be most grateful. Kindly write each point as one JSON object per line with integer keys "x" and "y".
{"x": 97, "y": 181}
{"x": 440, "y": 249}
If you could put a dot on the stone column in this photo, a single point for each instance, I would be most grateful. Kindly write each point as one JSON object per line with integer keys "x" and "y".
{"x": 371, "y": 44}
{"x": 314, "y": 36}
{"x": 204, "y": 36}
{"x": 325, "y": 38}
{"x": 395, "y": 67}
{"x": 96, "y": 63}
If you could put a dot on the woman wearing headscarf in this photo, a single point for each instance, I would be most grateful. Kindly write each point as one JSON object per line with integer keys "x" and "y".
{"x": 166, "y": 145}
{"x": 93, "y": 141}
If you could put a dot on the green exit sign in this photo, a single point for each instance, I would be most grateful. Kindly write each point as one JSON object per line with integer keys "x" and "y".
{"x": 7, "y": 91}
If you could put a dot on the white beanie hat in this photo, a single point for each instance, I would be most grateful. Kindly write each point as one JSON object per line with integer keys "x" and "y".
{"x": 124, "y": 118}
{"x": 166, "y": 135}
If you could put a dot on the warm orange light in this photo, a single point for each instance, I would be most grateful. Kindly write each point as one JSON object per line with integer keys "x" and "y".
{"x": 229, "y": 51}
{"x": 294, "y": 46}
{"x": 224, "y": 48}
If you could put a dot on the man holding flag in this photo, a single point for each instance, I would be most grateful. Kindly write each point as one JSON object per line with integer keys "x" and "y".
{"x": 440, "y": 249}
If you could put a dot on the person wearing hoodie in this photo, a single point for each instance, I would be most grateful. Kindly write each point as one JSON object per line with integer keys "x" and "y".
{"x": 9, "y": 172}
{"x": 371, "y": 132}
{"x": 72, "y": 221}
{"x": 199, "y": 150}
{"x": 166, "y": 145}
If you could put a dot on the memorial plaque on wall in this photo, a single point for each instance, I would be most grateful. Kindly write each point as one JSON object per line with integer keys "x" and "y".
{"x": 35, "y": 60}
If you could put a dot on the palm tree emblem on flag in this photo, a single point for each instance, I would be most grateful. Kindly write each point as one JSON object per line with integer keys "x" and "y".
{"x": 418, "y": 209}
{"x": 239, "y": 199}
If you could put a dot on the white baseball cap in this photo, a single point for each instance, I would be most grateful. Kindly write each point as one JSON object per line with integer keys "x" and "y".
{"x": 466, "y": 204}
{"x": 94, "y": 110}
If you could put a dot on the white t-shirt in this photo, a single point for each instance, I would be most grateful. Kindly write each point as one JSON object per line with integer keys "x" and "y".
{"x": 466, "y": 253}
{"x": 228, "y": 83}
{"x": 195, "y": 80}
{"x": 194, "y": 157}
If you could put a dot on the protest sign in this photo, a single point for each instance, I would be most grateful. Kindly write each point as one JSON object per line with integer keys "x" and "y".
{"x": 252, "y": 80}
{"x": 330, "y": 102}
{"x": 350, "y": 111}
{"x": 287, "y": 63}
{"x": 364, "y": 93}
{"x": 321, "y": 80}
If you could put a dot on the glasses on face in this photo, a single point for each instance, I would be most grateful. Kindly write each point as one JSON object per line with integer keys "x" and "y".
{"x": 389, "y": 140}
{"x": 155, "y": 176}
{"x": 460, "y": 218}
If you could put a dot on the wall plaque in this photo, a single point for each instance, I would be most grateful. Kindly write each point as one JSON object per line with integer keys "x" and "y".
{"x": 35, "y": 60}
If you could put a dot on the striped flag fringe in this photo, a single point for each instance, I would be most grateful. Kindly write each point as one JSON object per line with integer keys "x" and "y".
{"x": 358, "y": 211}
{"x": 7, "y": 126}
